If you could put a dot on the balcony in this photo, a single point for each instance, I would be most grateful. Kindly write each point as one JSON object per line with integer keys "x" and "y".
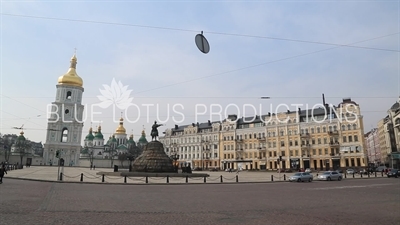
{"x": 305, "y": 135}
{"x": 333, "y": 133}
{"x": 334, "y": 143}
{"x": 239, "y": 140}
{"x": 261, "y": 138}
{"x": 305, "y": 146}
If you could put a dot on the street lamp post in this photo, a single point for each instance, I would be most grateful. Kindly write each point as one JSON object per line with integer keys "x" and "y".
{"x": 174, "y": 156}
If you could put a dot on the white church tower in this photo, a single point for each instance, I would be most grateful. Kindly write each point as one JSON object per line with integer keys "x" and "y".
{"x": 64, "y": 128}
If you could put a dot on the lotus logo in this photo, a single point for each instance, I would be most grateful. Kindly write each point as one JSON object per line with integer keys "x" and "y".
{"x": 115, "y": 94}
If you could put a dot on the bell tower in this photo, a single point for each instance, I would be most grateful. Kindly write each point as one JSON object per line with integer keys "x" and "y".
{"x": 65, "y": 114}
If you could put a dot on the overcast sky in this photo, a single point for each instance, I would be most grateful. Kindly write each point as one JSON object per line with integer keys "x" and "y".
{"x": 149, "y": 47}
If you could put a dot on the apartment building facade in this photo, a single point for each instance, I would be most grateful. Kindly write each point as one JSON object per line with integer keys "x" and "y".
{"x": 329, "y": 137}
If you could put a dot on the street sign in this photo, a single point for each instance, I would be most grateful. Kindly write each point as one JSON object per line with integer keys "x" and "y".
{"x": 202, "y": 43}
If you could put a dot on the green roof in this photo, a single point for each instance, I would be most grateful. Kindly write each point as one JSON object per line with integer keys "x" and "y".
{"x": 99, "y": 135}
{"x": 90, "y": 136}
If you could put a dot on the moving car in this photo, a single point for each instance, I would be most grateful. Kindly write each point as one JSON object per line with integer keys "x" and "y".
{"x": 301, "y": 177}
{"x": 350, "y": 171}
{"x": 330, "y": 175}
{"x": 393, "y": 173}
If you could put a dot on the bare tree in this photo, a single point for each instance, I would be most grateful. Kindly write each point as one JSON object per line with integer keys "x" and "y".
{"x": 122, "y": 157}
{"x": 5, "y": 147}
{"x": 23, "y": 148}
{"x": 111, "y": 149}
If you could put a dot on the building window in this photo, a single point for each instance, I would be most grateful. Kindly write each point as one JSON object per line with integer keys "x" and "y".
{"x": 290, "y": 143}
{"x": 313, "y": 141}
{"x": 319, "y": 141}
{"x": 355, "y": 138}
{"x": 318, "y": 130}
{"x": 324, "y": 129}
{"x": 296, "y": 143}
{"x": 68, "y": 95}
{"x": 326, "y": 151}
{"x": 312, "y": 130}
{"x": 281, "y": 133}
{"x": 64, "y": 135}
{"x": 325, "y": 141}
{"x": 320, "y": 151}
{"x": 282, "y": 144}
{"x": 348, "y": 127}
{"x": 344, "y": 139}
{"x": 354, "y": 126}
{"x": 350, "y": 139}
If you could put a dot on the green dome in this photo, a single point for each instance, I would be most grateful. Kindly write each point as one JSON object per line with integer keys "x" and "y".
{"x": 131, "y": 141}
{"x": 21, "y": 137}
{"x": 142, "y": 139}
{"x": 90, "y": 136}
{"x": 99, "y": 135}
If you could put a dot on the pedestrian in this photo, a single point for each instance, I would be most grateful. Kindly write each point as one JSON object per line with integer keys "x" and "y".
{"x": 2, "y": 172}
{"x": 94, "y": 167}
{"x": 91, "y": 166}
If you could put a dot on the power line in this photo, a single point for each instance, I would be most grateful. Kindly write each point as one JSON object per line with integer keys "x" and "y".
{"x": 258, "y": 65}
{"x": 208, "y": 32}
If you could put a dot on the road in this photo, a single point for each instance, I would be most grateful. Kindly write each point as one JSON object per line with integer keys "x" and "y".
{"x": 351, "y": 201}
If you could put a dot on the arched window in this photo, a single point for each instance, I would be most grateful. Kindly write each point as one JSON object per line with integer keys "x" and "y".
{"x": 64, "y": 135}
{"x": 312, "y": 130}
{"x": 354, "y": 126}
{"x": 68, "y": 95}
{"x": 343, "y": 127}
{"x": 348, "y": 127}
{"x": 281, "y": 133}
{"x": 324, "y": 129}
{"x": 335, "y": 128}
{"x": 318, "y": 130}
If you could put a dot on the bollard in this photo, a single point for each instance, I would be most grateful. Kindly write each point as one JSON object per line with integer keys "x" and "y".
{"x": 61, "y": 175}
{"x": 368, "y": 174}
{"x": 205, "y": 179}
{"x": 375, "y": 173}
{"x": 125, "y": 179}
{"x": 147, "y": 179}
{"x": 221, "y": 179}
{"x": 167, "y": 179}
{"x": 345, "y": 175}
{"x": 284, "y": 176}
{"x": 361, "y": 174}
{"x": 237, "y": 179}
{"x": 353, "y": 175}
{"x": 382, "y": 173}
{"x": 187, "y": 179}
{"x": 272, "y": 177}
{"x": 81, "y": 177}
{"x": 102, "y": 178}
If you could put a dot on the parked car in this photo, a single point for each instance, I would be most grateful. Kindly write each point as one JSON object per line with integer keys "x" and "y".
{"x": 308, "y": 170}
{"x": 330, "y": 175}
{"x": 381, "y": 168}
{"x": 301, "y": 177}
{"x": 393, "y": 173}
{"x": 350, "y": 171}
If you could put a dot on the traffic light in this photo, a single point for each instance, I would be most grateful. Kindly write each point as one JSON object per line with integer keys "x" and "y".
{"x": 58, "y": 154}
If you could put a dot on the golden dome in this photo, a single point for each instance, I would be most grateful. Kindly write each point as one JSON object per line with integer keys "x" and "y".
{"x": 71, "y": 77}
{"x": 121, "y": 128}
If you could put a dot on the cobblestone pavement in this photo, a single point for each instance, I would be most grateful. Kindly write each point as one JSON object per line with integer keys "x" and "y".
{"x": 73, "y": 174}
{"x": 351, "y": 201}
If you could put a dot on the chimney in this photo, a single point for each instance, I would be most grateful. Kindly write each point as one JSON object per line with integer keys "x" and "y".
{"x": 193, "y": 124}
{"x": 198, "y": 124}
{"x": 176, "y": 127}
{"x": 288, "y": 111}
{"x": 209, "y": 122}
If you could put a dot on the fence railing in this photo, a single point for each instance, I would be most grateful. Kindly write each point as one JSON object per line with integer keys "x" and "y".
{"x": 186, "y": 179}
